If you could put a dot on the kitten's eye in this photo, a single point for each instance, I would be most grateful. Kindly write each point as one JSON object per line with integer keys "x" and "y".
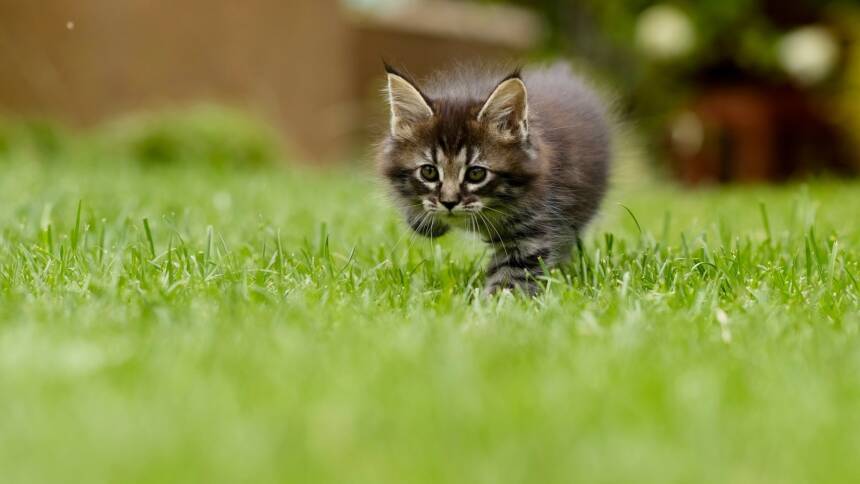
{"x": 429, "y": 173}
{"x": 476, "y": 174}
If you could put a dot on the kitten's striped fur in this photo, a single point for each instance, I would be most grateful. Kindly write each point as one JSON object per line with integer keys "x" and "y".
{"x": 522, "y": 159}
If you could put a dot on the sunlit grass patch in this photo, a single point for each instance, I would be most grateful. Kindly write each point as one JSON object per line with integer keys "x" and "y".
{"x": 187, "y": 322}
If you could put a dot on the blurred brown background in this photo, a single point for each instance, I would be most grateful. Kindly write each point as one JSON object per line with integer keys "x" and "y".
{"x": 310, "y": 66}
{"x": 719, "y": 90}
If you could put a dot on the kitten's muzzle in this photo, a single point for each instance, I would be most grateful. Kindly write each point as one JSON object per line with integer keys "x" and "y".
{"x": 450, "y": 205}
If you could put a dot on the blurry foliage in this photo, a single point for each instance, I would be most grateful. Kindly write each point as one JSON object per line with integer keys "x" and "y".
{"x": 735, "y": 40}
{"x": 743, "y": 32}
{"x": 849, "y": 98}
{"x": 212, "y": 136}
{"x": 38, "y": 138}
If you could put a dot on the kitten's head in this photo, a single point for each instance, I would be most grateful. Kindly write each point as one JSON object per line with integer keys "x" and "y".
{"x": 448, "y": 157}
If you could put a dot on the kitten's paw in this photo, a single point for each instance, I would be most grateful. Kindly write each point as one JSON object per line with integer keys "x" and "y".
{"x": 528, "y": 287}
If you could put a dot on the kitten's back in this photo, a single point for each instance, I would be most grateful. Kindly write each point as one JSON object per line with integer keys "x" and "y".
{"x": 566, "y": 109}
{"x": 571, "y": 121}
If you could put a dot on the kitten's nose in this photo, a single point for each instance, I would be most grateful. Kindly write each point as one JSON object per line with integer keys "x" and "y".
{"x": 450, "y": 205}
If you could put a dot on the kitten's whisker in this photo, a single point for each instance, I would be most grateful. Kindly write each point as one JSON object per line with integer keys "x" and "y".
{"x": 418, "y": 229}
{"x": 409, "y": 219}
{"x": 413, "y": 205}
{"x": 411, "y": 232}
{"x": 475, "y": 229}
{"x": 494, "y": 210}
{"x": 399, "y": 240}
{"x": 432, "y": 239}
{"x": 493, "y": 227}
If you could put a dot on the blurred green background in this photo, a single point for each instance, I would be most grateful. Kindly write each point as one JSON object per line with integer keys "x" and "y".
{"x": 735, "y": 90}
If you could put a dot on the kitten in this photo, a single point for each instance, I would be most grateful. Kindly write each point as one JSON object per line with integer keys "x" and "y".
{"x": 522, "y": 159}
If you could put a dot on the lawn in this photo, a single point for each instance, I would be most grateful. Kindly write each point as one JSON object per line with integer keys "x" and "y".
{"x": 179, "y": 317}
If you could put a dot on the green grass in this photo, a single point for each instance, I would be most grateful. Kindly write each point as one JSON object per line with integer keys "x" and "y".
{"x": 178, "y": 322}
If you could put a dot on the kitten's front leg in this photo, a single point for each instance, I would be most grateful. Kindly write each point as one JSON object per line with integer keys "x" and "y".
{"x": 518, "y": 268}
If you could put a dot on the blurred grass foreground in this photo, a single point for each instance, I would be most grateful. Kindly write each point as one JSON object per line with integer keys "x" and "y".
{"x": 178, "y": 305}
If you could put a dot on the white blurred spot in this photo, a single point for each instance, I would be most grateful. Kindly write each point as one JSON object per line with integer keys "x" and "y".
{"x": 45, "y": 219}
{"x": 808, "y": 54}
{"x": 222, "y": 201}
{"x": 70, "y": 25}
{"x": 665, "y": 32}
{"x": 80, "y": 358}
{"x": 725, "y": 331}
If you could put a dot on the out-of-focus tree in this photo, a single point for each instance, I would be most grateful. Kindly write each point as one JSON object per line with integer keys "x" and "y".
{"x": 665, "y": 56}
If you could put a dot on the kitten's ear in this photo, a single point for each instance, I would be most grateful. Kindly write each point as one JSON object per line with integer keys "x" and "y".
{"x": 408, "y": 106}
{"x": 506, "y": 111}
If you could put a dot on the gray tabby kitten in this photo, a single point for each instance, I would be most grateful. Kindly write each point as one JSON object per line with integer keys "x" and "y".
{"x": 521, "y": 159}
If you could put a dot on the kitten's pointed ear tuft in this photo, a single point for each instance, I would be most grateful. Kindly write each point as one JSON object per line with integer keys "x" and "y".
{"x": 506, "y": 111}
{"x": 408, "y": 106}
{"x": 515, "y": 74}
{"x": 389, "y": 69}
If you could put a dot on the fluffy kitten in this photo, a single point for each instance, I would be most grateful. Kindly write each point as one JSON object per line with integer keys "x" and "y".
{"x": 522, "y": 159}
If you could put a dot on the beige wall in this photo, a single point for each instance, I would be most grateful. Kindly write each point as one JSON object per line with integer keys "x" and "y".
{"x": 124, "y": 55}
{"x": 305, "y": 65}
